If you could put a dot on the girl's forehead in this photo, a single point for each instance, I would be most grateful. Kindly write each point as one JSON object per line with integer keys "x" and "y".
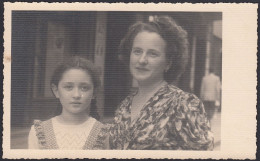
{"x": 76, "y": 74}
{"x": 76, "y": 70}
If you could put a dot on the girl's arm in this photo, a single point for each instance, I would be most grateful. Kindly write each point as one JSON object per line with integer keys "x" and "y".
{"x": 32, "y": 139}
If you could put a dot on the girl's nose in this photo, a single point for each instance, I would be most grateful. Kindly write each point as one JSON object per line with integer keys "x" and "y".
{"x": 76, "y": 93}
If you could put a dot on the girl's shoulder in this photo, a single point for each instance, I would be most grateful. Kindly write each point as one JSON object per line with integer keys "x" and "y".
{"x": 41, "y": 122}
{"x": 97, "y": 124}
{"x": 97, "y": 136}
{"x": 44, "y": 132}
{"x": 40, "y": 125}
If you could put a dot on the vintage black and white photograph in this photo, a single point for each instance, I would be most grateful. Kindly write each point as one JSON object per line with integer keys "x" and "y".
{"x": 116, "y": 80}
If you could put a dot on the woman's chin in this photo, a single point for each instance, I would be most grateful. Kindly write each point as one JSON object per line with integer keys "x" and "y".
{"x": 77, "y": 111}
{"x": 141, "y": 78}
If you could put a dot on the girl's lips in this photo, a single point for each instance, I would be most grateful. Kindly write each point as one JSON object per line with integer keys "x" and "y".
{"x": 75, "y": 103}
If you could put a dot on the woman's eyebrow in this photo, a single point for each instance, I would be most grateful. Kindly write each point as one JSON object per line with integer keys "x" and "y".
{"x": 67, "y": 83}
{"x": 85, "y": 83}
{"x": 154, "y": 50}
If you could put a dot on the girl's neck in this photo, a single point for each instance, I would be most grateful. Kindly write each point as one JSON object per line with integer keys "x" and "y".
{"x": 149, "y": 88}
{"x": 73, "y": 119}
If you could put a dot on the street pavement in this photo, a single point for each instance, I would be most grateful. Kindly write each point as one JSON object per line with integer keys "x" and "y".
{"x": 216, "y": 129}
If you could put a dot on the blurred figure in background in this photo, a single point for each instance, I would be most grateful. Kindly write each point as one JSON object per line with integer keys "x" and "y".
{"x": 210, "y": 92}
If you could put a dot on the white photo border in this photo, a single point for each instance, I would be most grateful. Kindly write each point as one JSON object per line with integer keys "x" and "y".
{"x": 239, "y": 63}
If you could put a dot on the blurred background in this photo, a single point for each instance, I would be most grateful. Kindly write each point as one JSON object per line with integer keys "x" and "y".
{"x": 40, "y": 39}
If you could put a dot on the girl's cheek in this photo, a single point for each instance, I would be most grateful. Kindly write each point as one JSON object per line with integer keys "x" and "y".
{"x": 87, "y": 94}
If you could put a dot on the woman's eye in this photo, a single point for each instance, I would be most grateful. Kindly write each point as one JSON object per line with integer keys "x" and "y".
{"x": 68, "y": 87}
{"x": 153, "y": 54}
{"x": 137, "y": 51}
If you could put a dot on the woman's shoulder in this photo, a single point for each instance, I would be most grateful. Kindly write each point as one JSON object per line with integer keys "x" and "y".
{"x": 183, "y": 96}
{"x": 125, "y": 103}
{"x": 172, "y": 88}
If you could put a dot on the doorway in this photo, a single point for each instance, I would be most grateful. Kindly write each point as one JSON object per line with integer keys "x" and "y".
{"x": 117, "y": 79}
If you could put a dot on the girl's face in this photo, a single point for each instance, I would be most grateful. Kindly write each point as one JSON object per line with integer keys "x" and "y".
{"x": 148, "y": 58}
{"x": 75, "y": 91}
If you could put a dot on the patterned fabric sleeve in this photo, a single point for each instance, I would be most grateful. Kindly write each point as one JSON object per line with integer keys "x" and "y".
{"x": 117, "y": 135}
{"x": 190, "y": 124}
{"x": 113, "y": 132}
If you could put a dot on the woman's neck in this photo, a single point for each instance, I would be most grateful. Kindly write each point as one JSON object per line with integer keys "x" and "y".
{"x": 149, "y": 88}
{"x": 145, "y": 92}
{"x": 73, "y": 119}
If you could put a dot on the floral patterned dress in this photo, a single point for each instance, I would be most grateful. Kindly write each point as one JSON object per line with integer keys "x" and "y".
{"x": 171, "y": 120}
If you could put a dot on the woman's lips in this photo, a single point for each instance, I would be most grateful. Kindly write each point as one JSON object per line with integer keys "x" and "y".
{"x": 142, "y": 69}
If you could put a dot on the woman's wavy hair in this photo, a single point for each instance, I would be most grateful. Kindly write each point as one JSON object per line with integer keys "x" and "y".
{"x": 77, "y": 62}
{"x": 176, "y": 43}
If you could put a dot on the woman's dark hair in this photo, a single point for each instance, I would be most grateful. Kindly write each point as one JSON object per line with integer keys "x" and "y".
{"x": 174, "y": 36}
{"x": 77, "y": 62}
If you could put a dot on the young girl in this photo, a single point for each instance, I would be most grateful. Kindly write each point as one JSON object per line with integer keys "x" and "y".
{"x": 74, "y": 83}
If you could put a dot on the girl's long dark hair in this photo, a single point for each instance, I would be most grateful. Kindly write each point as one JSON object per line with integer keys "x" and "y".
{"x": 77, "y": 62}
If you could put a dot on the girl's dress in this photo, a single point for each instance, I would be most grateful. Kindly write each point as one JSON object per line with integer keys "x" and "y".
{"x": 52, "y": 134}
{"x": 171, "y": 119}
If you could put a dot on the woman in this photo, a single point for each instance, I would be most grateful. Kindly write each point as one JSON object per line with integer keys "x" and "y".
{"x": 74, "y": 83}
{"x": 158, "y": 115}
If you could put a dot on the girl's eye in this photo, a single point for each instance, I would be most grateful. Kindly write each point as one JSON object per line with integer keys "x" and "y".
{"x": 85, "y": 88}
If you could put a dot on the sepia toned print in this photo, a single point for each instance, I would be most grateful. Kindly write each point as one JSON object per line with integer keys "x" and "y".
{"x": 42, "y": 38}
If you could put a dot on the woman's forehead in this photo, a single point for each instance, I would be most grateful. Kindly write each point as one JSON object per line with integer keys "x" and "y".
{"x": 149, "y": 39}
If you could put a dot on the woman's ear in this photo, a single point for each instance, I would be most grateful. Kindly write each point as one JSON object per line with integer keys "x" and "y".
{"x": 168, "y": 66}
{"x": 54, "y": 89}
{"x": 94, "y": 94}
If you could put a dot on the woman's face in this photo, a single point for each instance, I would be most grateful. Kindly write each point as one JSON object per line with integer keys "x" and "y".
{"x": 148, "y": 59}
{"x": 75, "y": 91}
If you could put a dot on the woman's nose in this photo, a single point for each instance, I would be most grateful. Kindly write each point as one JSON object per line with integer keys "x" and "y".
{"x": 143, "y": 59}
